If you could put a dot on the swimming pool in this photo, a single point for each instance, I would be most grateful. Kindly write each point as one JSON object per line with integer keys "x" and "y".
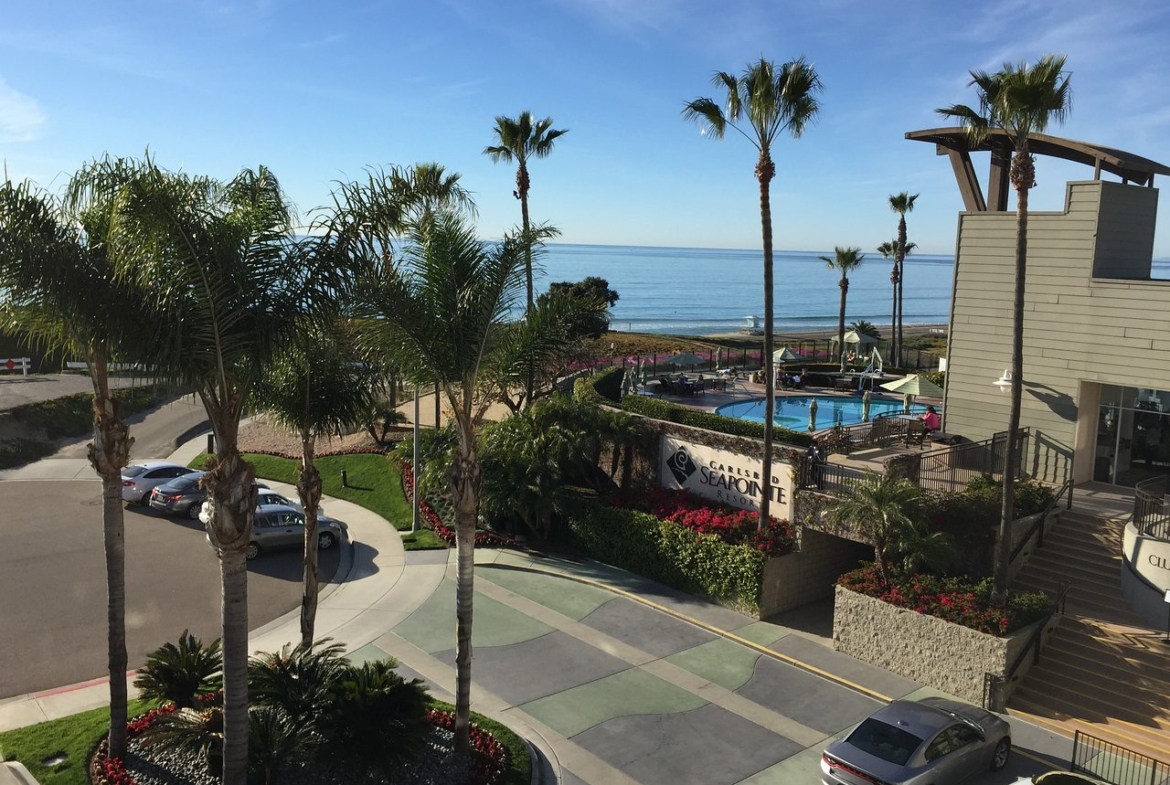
{"x": 792, "y": 410}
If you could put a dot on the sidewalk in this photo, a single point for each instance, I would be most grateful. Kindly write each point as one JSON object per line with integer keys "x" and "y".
{"x": 613, "y": 678}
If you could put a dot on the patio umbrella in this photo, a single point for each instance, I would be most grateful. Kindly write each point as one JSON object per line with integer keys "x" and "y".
{"x": 812, "y": 414}
{"x": 865, "y": 407}
{"x": 906, "y": 402}
{"x": 784, "y": 355}
{"x": 914, "y": 385}
{"x": 719, "y": 357}
{"x": 686, "y": 358}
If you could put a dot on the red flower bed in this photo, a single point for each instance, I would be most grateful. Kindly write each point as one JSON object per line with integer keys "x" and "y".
{"x": 360, "y": 449}
{"x": 483, "y": 539}
{"x": 733, "y": 526}
{"x": 492, "y": 758}
{"x": 953, "y": 599}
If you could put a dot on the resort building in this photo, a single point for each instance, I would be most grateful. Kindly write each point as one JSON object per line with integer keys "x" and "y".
{"x": 1096, "y": 326}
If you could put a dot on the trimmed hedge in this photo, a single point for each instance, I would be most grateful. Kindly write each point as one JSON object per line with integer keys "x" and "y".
{"x": 699, "y": 564}
{"x": 72, "y": 415}
{"x": 605, "y": 389}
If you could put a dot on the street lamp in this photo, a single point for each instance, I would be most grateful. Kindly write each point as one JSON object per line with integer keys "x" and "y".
{"x": 1004, "y": 383}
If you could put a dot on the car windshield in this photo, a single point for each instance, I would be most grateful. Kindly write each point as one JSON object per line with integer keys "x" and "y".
{"x": 884, "y": 741}
{"x": 184, "y": 483}
{"x": 133, "y": 471}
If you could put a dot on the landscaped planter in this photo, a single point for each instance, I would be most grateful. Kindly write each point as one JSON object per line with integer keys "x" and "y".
{"x": 927, "y": 649}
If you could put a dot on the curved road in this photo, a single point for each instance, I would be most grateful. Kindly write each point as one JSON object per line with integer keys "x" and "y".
{"x": 52, "y": 571}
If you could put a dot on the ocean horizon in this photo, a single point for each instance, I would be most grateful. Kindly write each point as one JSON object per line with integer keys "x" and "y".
{"x": 705, "y": 291}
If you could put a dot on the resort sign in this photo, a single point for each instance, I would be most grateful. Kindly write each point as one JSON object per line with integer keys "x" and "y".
{"x": 726, "y": 477}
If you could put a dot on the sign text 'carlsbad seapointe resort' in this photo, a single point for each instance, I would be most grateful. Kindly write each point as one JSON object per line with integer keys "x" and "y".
{"x": 723, "y": 476}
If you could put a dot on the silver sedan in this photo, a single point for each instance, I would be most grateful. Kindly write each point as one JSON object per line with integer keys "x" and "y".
{"x": 926, "y": 742}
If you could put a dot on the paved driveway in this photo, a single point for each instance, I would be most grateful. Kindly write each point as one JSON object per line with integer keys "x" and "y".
{"x": 52, "y": 579}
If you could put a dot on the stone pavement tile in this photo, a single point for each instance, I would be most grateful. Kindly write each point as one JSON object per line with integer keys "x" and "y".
{"x": 567, "y": 597}
{"x": 720, "y": 661}
{"x": 569, "y": 778}
{"x": 806, "y": 698}
{"x": 524, "y": 672}
{"x": 645, "y": 628}
{"x": 762, "y": 632}
{"x": 803, "y": 768}
{"x": 849, "y": 668}
{"x": 426, "y": 557}
{"x": 627, "y": 693}
{"x": 432, "y": 626}
{"x": 665, "y": 749}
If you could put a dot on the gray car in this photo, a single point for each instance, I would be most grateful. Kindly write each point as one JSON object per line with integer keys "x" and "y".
{"x": 933, "y": 741}
{"x": 180, "y": 496}
{"x": 139, "y": 479}
{"x": 280, "y": 526}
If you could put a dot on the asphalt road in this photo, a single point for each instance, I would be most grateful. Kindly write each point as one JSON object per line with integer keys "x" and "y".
{"x": 52, "y": 568}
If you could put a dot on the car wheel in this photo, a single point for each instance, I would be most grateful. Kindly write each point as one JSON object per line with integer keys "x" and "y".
{"x": 1003, "y": 751}
{"x": 325, "y": 541}
{"x": 193, "y": 512}
{"x": 252, "y": 551}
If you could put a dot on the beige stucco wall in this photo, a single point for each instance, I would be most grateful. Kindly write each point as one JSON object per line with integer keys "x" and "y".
{"x": 1077, "y": 328}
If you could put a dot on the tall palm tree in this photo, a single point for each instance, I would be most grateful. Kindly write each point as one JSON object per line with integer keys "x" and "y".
{"x": 58, "y": 286}
{"x": 442, "y": 313}
{"x": 234, "y": 291}
{"x": 520, "y": 139}
{"x": 315, "y": 388}
{"x": 901, "y": 204}
{"x": 770, "y": 101}
{"x": 889, "y": 250}
{"x": 845, "y": 261}
{"x": 1021, "y": 100}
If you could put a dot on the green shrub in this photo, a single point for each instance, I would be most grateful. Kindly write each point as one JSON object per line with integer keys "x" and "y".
{"x": 1031, "y": 497}
{"x": 658, "y": 409}
{"x": 603, "y": 388}
{"x": 18, "y": 452}
{"x": 72, "y": 415}
{"x": 700, "y": 564}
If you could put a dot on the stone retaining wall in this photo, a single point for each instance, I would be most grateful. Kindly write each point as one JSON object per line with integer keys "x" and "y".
{"x": 931, "y": 651}
{"x": 810, "y": 573}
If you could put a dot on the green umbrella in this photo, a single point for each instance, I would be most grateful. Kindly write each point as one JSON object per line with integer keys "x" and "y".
{"x": 812, "y": 414}
{"x": 686, "y": 358}
{"x": 915, "y": 385}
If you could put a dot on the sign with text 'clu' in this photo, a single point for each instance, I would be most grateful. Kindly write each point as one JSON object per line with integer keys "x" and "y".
{"x": 726, "y": 477}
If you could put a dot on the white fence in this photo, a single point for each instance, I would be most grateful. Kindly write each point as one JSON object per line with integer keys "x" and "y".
{"x": 14, "y": 363}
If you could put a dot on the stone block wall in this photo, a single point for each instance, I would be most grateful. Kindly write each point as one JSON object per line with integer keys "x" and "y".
{"x": 931, "y": 651}
{"x": 810, "y": 573}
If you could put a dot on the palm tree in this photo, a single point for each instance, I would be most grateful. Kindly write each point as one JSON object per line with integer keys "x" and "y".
{"x": 235, "y": 289}
{"x": 863, "y": 327}
{"x": 315, "y": 388}
{"x": 845, "y": 261}
{"x": 1021, "y": 100}
{"x": 59, "y": 287}
{"x": 901, "y": 204}
{"x": 771, "y": 101}
{"x": 521, "y": 139}
{"x": 889, "y": 250}
{"x": 442, "y": 314}
{"x": 881, "y": 509}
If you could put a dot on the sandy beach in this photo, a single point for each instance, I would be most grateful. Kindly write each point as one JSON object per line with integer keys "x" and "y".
{"x": 909, "y": 330}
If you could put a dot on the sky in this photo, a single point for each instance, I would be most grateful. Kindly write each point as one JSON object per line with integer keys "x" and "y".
{"x": 319, "y": 92}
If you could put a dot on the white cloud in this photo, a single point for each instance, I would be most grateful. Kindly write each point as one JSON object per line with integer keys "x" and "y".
{"x": 21, "y": 117}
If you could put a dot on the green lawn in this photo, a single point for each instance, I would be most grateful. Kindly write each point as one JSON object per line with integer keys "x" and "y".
{"x": 69, "y": 739}
{"x": 374, "y": 482}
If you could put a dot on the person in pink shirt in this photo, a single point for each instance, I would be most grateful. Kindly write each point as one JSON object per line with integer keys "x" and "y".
{"x": 930, "y": 420}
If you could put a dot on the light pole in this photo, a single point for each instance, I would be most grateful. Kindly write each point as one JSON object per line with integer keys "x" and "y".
{"x": 414, "y": 467}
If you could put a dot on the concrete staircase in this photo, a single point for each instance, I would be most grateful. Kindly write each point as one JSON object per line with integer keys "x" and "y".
{"x": 1103, "y": 671}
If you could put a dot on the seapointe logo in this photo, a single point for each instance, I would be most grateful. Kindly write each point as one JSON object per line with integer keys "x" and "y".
{"x": 681, "y": 466}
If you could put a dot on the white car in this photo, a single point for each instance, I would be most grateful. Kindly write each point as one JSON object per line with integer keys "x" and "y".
{"x": 266, "y": 496}
{"x": 1060, "y": 778}
{"x": 139, "y": 479}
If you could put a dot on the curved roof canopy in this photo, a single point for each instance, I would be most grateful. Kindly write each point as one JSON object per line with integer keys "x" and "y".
{"x": 955, "y": 143}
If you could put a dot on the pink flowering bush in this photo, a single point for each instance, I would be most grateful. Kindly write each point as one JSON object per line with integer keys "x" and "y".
{"x": 957, "y": 600}
{"x": 483, "y": 539}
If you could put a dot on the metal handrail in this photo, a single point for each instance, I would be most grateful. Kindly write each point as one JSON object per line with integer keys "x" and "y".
{"x": 1150, "y": 514}
{"x": 993, "y": 684}
{"x": 1040, "y": 519}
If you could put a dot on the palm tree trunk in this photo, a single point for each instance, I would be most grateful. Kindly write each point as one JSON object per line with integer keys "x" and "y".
{"x": 309, "y": 488}
{"x": 901, "y": 282}
{"x": 844, "y": 286}
{"x": 765, "y": 171}
{"x": 234, "y": 581}
{"x": 1012, "y": 459}
{"x": 109, "y": 452}
{"x": 530, "y": 381}
{"x": 465, "y": 481}
{"x": 894, "y": 278}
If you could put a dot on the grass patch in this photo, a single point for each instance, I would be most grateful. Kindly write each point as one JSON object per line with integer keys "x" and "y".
{"x": 72, "y": 415}
{"x": 72, "y": 737}
{"x": 375, "y": 482}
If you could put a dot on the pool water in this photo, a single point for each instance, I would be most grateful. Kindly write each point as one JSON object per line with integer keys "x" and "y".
{"x": 792, "y": 410}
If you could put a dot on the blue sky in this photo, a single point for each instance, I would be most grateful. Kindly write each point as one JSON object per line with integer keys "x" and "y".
{"x": 319, "y": 91}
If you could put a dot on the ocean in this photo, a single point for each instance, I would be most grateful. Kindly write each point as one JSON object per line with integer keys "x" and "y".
{"x": 704, "y": 291}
